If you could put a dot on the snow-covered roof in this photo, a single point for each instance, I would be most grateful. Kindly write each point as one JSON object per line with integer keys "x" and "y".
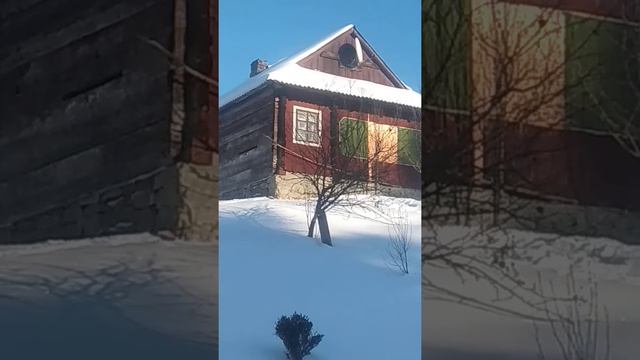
{"x": 289, "y": 72}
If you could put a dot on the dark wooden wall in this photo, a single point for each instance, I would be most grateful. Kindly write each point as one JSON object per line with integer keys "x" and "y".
{"x": 84, "y": 118}
{"x": 213, "y": 96}
{"x": 246, "y": 152}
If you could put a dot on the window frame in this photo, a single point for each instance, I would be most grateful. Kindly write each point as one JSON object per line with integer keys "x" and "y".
{"x": 318, "y": 112}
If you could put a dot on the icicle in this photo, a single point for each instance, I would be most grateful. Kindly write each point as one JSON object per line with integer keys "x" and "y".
{"x": 359, "y": 51}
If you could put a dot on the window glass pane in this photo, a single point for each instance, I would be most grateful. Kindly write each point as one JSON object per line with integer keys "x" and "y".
{"x": 312, "y": 117}
{"x": 302, "y": 125}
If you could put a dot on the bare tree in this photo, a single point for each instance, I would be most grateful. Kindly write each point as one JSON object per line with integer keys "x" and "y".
{"x": 484, "y": 125}
{"x": 353, "y": 161}
{"x": 400, "y": 237}
{"x": 579, "y": 327}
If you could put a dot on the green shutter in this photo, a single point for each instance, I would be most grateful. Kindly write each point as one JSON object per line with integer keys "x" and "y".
{"x": 353, "y": 138}
{"x": 408, "y": 147}
{"x": 446, "y": 53}
{"x": 597, "y": 78}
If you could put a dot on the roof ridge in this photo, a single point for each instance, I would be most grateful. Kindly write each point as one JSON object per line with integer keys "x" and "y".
{"x": 375, "y": 53}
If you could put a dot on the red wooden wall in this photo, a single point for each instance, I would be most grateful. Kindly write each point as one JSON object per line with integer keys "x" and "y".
{"x": 394, "y": 174}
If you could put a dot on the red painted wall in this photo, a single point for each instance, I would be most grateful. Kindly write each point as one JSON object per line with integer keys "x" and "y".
{"x": 292, "y": 158}
{"x": 591, "y": 169}
{"x": 394, "y": 174}
{"x": 594, "y": 170}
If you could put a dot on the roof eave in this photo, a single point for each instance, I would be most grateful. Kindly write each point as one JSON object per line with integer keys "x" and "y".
{"x": 334, "y": 93}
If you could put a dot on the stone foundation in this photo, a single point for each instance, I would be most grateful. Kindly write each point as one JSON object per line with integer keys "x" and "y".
{"x": 399, "y": 192}
{"x": 198, "y": 205}
{"x": 552, "y": 216}
{"x": 180, "y": 200}
{"x": 291, "y": 186}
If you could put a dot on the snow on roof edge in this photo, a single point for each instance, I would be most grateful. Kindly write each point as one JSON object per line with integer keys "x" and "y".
{"x": 412, "y": 104}
{"x": 300, "y": 76}
{"x": 260, "y": 78}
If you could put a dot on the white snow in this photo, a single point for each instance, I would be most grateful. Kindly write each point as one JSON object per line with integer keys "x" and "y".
{"x": 121, "y": 297}
{"x": 289, "y": 72}
{"x": 455, "y": 332}
{"x": 269, "y": 268}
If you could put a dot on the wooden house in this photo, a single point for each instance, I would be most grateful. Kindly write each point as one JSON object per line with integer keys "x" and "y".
{"x": 568, "y": 148}
{"x": 277, "y": 124}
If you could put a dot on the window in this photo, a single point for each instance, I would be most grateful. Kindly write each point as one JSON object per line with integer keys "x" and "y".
{"x": 307, "y": 125}
{"x": 408, "y": 147}
{"x": 600, "y": 84}
{"x": 396, "y": 145}
{"x": 353, "y": 138}
{"x": 446, "y": 55}
{"x": 348, "y": 56}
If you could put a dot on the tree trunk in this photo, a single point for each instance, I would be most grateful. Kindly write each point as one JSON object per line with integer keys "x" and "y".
{"x": 325, "y": 235}
{"x": 312, "y": 226}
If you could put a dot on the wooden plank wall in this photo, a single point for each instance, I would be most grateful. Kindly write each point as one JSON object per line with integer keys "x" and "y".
{"x": 375, "y": 111}
{"x": 84, "y": 108}
{"x": 326, "y": 59}
{"x": 592, "y": 169}
{"x": 246, "y": 154}
{"x": 213, "y": 96}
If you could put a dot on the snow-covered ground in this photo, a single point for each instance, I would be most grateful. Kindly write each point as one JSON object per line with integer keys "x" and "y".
{"x": 121, "y": 297}
{"x": 269, "y": 268}
{"x": 140, "y": 297}
{"x": 456, "y": 332}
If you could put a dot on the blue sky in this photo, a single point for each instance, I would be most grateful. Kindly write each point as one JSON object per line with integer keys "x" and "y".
{"x": 273, "y": 30}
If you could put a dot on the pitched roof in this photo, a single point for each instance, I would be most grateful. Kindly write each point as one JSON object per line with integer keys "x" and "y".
{"x": 289, "y": 72}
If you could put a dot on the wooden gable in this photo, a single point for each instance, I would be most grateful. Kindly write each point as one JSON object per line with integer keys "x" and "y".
{"x": 327, "y": 60}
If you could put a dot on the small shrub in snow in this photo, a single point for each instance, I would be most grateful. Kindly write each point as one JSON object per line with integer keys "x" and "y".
{"x": 400, "y": 242}
{"x": 295, "y": 333}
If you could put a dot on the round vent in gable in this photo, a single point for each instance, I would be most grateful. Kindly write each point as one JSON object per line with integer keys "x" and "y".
{"x": 348, "y": 56}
